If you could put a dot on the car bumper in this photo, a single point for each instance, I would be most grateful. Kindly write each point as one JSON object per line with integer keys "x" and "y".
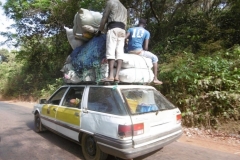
{"x": 126, "y": 151}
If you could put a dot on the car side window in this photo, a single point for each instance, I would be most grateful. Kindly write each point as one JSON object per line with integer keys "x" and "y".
{"x": 56, "y": 98}
{"x": 103, "y": 100}
{"x": 74, "y": 97}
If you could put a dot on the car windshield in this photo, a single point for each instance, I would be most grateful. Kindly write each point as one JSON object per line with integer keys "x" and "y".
{"x": 142, "y": 101}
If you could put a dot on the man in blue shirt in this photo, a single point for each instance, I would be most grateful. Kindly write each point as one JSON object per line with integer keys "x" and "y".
{"x": 138, "y": 44}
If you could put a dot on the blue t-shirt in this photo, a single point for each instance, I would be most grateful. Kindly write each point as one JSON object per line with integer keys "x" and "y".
{"x": 137, "y": 37}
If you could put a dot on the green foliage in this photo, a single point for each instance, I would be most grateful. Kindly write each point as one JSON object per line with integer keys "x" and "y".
{"x": 41, "y": 66}
{"x": 4, "y": 55}
{"x": 206, "y": 88}
{"x": 8, "y": 70}
{"x": 228, "y": 23}
{"x": 49, "y": 89}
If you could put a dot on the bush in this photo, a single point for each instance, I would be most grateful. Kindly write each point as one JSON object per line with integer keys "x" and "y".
{"x": 18, "y": 80}
{"x": 205, "y": 88}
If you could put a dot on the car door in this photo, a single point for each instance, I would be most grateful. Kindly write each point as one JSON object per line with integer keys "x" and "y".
{"x": 68, "y": 114}
{"x": 49, "y": 110}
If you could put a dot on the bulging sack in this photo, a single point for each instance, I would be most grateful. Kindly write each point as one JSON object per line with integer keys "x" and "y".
{"x": 85, "y": 17}
{"x": 136, "y": 75}
{"x": 136, "y": 61}
{"x": 91, "y": 18}
{"x": 71, "y": 38}
{"x": 71, "y": 76}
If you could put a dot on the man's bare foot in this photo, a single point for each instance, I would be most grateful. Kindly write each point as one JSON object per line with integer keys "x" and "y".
{"x": 116, "y": 79}
{"x": 157, "y": 82}
{"x": 107, "y": 80}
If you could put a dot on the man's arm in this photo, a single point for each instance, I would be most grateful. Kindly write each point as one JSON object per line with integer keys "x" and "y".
{"x": 145, "y": 45}
{"x": 127, "y": 36}
{"x": 104, "y": 17}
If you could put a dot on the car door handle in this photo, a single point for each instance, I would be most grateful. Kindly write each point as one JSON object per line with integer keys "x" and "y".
{"x": 85, "y": 110}
{"x": 54, "y": 109}
{"x": 76, "y": 114}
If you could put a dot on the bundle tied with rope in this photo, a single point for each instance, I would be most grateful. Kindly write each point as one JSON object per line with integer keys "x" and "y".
{"x": 84, "y": 64}
{"x": 136, "y": 69}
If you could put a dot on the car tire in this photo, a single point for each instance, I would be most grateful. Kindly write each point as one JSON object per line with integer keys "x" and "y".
{"x": 90, "y": 149}
{"x": 38, "y": 127}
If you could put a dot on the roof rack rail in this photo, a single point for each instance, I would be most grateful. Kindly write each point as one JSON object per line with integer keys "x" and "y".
{"x": 106, "y": 83}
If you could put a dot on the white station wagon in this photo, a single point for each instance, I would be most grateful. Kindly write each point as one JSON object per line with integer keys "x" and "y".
{"x": 125, "y": 121}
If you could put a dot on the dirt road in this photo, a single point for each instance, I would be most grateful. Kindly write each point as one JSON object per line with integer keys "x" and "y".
{"x": 17, "y": 139}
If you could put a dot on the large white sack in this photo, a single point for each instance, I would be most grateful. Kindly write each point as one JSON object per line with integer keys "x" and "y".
{"x": 136, "y": 61}
{"x": 136, "y": 75}
{"x": 77, "y": 27}
{"x": 85, "y": 17}
{"x": 90, "y": 17}
{"x": 67, "y": 67}
{"x": 89, "y": 29}
{"x": 71, "y": 38}
{"x": 71, "y": 76}
{"x": 68, "y": 59}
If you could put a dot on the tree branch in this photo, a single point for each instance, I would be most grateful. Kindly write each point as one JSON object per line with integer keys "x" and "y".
{"x": 154, "y": 12}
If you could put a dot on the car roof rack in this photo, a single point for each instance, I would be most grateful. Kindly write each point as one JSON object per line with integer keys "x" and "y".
{"x": 106, "y": 83}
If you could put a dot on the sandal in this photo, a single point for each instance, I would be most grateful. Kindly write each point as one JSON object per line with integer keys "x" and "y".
{"x": 157, "y": 82}
{"x": 116, "y": 80}
{"x": 107, "y": 80}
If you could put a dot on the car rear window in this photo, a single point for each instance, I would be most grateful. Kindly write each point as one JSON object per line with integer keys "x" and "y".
{"x": 145, "y": 100}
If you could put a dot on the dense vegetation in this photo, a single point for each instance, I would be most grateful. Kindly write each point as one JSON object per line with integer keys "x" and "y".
{"x": 206, "y": 88}
{"x": 197, "y": 42}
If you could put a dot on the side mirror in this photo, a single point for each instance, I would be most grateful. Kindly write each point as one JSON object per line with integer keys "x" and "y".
{"x": 42, "y": 101}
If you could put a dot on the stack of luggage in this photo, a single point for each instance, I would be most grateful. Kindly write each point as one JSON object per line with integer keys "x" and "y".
{"x": 86, "y": 62}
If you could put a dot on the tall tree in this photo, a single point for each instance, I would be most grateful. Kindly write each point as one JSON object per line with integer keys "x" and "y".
{"x": 41, "y": 36}
{"x": 40, "y": 28}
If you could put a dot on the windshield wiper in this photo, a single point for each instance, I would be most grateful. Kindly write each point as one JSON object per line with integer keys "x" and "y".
{"x": 138, "y": 113}
{"x": 163, "y": 109}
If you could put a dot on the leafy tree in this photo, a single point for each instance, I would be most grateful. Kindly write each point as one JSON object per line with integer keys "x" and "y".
{"x": 185, "y": 24}
{"x": 4, "y": 54}
{"x": 42, "y": 37}
{"x": 228, "y": 22}
{"x": 9, "y": 67}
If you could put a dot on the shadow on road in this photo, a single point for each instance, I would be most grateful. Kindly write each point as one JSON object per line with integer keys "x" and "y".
{"x": 59, "y": 141}
{"x": 63, "y": 143}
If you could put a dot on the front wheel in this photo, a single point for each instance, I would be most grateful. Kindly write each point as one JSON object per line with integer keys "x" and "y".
{"x": 90, "y": 149}
{"x": 38, "y": 127}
